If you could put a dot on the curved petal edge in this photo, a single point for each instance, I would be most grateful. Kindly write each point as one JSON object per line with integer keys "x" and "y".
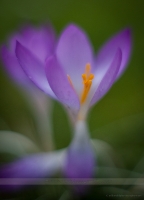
{"x": 109, "y": 77}
{"x": 60, "y": 85}
{"x": 33, "y": 68}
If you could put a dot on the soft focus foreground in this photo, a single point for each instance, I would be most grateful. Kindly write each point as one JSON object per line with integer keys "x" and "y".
{"x": 116, "y": 122}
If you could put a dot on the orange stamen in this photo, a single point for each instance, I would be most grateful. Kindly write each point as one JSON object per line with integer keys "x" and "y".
{"x": 87, "y": 78}
{"x": 87, "y": 82}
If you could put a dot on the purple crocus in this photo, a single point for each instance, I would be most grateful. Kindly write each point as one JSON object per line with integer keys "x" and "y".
{"x": 41, "y": 42}
{"x": 75, "y": 161}
{"x": 73, "y": 75}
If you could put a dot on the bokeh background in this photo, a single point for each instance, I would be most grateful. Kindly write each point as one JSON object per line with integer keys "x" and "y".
{"x": 118, "y": 118}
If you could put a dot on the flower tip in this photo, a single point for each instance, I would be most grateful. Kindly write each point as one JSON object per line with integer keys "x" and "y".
{"x": 72, "y": 28}
{"x": 18, "y": 48}
{"x": 128, "y": 29}
{"x": 17, "y": 43}
{"x": 73, "y": 25}
{"x": 127, "y": 33}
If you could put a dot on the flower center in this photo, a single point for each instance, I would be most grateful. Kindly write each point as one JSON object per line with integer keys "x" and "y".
{"x": 87, "y": 78}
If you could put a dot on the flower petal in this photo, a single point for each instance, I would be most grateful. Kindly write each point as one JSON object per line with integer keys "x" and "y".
{"x": 60, "y": 85}
{"x": 12, "y": 66}
{"x": 33, "y": 68}
{"x": 105, "y": 56}
{"x": 74, "y": 52}
{"x": 109, "y": 78}
{"x": 35, "y": 166}
{"x": 39, "y": 41}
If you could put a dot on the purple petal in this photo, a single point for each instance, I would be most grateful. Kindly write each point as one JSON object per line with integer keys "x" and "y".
{"x": 109, "y": 78}
{"x": 27, "y": 169}
{"x": 74, "y": 52}
{"x": 33, "y": 68}
{"x": 105, "y": 56}
{"x": 60, "y": 85}
{"x": 80, "y": 161}
{"x": 12, "y": 67}
{"x": 41, "y": 42}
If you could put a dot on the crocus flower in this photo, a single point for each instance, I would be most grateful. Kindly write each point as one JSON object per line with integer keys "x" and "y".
{"x": 75, "y": 161}
{"x": 76, "y": 77}
{"x": 41, "y": 42}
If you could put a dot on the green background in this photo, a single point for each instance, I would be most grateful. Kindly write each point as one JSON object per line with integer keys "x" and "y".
{"x": 119, "y": 117}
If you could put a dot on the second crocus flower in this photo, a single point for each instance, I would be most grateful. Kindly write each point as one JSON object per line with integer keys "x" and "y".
{"x": 41, "y": 42}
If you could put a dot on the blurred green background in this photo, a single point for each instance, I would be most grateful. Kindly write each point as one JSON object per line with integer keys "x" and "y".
{"x": 119, "y": 117}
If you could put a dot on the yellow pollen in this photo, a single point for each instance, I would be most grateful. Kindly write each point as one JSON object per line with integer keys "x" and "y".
{"x": 87, "y": 78}
{"x": 87, "y": 82}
